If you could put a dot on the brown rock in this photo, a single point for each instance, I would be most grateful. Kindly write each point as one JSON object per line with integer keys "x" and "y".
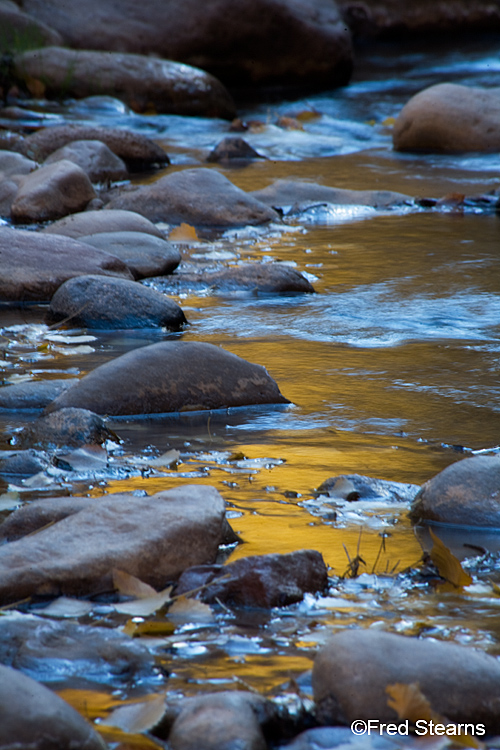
{"x": 91, "y": 222}
{"x": 51, "y": 192}
{"x": 251, "y": 42}
{"x": 153, "y": 538}
{"x": 288, "y": 192}
{"x": 352, "y": 671}
{"x": 12, "y": 163}
{"x": 142, "y": 82}
{"x": 466, "y": 492}
{"x": 32, "y": 717}
{"x": 34, "y": 265}
{"x": 33, "y": 394}
{"x": 233, "y": 149}
{"x": 201, "y": 197}
{"x": 259, "y": 580}
{"x": 172, "y": 376}
{"x": 71, "y": 427}
{"x": 450, "y": 118}
{"x": 98, "y": 162}
{"x": 145, "y": 254}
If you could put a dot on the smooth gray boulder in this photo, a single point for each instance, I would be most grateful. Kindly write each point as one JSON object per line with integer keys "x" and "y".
{"x": 352, "y": 487}
{"x": 92, "y": 222}
{"x": 153, "y": 538}
{"x": 21, "y": 31}
{"x": 289, "y": 192}
{"x": 172, "y": 376}
{"x": 96, "y": 302}
{"x": 145, "y": 254}
{"x": 201, "y": 197}
{"x": 33, "y": 394}
{"x": 466, "y": 492}
{"x": 66, "y": 427}
{"x": 98, "y": 162}
{"x": 352, "y": 671}
{"x": 32, "y": 717}
{"x": 12, "y": 163}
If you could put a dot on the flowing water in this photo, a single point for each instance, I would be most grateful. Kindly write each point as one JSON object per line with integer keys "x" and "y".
{"x": 391, "y": 368}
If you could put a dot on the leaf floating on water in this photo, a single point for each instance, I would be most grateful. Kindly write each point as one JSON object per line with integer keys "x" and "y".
{"x": 167, "y": 459}
{"x": 147, "y": 600}
{"x": 183, "y": 233}
{"x": 153, "y": 629}
{"x": 64, "y": 606}
{"x": 190, "y": 610}
{"x": 137, "y": 717}
{"x": 447, "y": 564}
{"x": 9, "y": 500}
{"x": 409, "y": 702}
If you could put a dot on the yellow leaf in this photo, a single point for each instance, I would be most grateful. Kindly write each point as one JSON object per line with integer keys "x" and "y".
{"x": 137, "y": 717}
{"x": 153, "y": 628}
{"x": 131, "y": 586}
{"x": 447, "y": 564}
{"x": 389, "y": 121}
{"x": 408, "y": 701}
{"x": 139, "y": 741}
{"x": 307, "y": 114}
{"x": 90, "y": 703}
{"x": 183, "y": 233}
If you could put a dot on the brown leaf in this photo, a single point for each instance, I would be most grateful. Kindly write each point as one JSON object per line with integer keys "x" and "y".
{"x": 447, "y": 564}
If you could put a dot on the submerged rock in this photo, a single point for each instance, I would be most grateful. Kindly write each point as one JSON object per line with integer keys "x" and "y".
{"x": 34, "y": 394}
{"x": 466, "y": 493}
{"x": 259, "y": 580}
{"x": 201, "y": 197}
{"x": 35, "y": 264}
{"x": 290, "y": 192}
{"x": 233, "y": 149}
{"x": 153, "y": 538}
{"x": 67, "y": 427}
{"x": 95, "y": 302}
{"x": 352, "y": 671}
{"x": 91, "y": 222}
{"x": 354, "y": 487}
{"x": 143, "y": 82}
{"x": 35, "y": 718}
{"x": 97, "y": 160}
{"x": 172, "y": 376}
{"x": 450, "y": 118}
{"x": 145, "y": 254}
{"x": 22, "y": 463}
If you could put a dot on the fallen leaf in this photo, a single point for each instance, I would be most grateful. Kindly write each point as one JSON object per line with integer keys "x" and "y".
{"x": 289, "y": 123}
{"x": 137, "y": 717}
{"x": 9, "y": 500}
{"x": 64, "y": 606}
{"x": 447, "y": 564}
{"x": 306, "y": 115}
{"x": 153, "y": 629}
{"x": 190, "y": 610}
{"x": 389, "y": 121}
{"x": 147, "y": 606}
{"x": 167, "y": 459}
{"x": 183, "y": 233}
{"x": 129, "y": 585}
{"x": 409, "y": 702}
{"x": 126, "y": 740}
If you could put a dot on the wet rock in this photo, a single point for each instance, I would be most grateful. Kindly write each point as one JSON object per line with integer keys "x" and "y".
{"x": 93, "y": 222}
{"x": 34, "y": 265}
{"x": 22, "y": 31}
{"x": 145, "y": 254}
{"x": 68, "y": 427}
{"x": 172, "y": 376}
{"x": 137, "y": 151}
{"x": 255, "y": 42}
{"x": 56, "y": 651}
{"x": 216, "y": 721}
{"x": 12, "y": 163}
{"x": 354, "y": 487}
{"x": 351, "y": 673}
{"x": 289, "y": 192}
{"x": 98, "y": 302}
{"x": 98, "y": 162}
{"x": 39, "y": 513}
{"x": 466, "y": 492}
{"x": 233, "y": 149}
{"x": 259, "y": 580}
{"x": 450, "y": 118}
{"x": 202, "y": 197}
{"x": 153, "y": 538}
{"x": 22, "y": 463}
{"x": 34, "y": 717}
{"x": 328, "y": 738}
{"x": 51, "y": 192}
{"x": 34, "y": 394}
{"x": 141, "y": 81}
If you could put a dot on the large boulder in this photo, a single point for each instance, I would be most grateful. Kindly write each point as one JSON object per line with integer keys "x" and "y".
{"x": 450, "y": 118}
{"x": 21, "y": 32}
{"x": 252, "y": 41}
{"x": 12, "y": 163}
{"x": 352, "y": 671}
{"x": 34, "y": 265}
{"x": 466, "y": 493}
{"x": 153, "y": 538}
{"x": 172, "y": 376}
{"x": 137, "y": 151}
{"x": 145, "y": 254}
{"x": 202, "y": 197}
{"x": 32, "y": 717}
{"x": 98, "y": 162}
{"x": 32, "y": 394}
{"x": 140, "y": 81}
{"x": 96, "y": 302}
{"x": 289, "y": 192}
{"x": 51, "y": 192}
{"x": 90, "y": 222}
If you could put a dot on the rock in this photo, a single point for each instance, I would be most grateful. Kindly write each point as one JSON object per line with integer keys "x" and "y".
{"x": 137, "y": 151}
{"x": 34, "y": 265}
{"x": 93, "y": 222}
{"x": 289, "y": 192}
{"x": 145, "y": 254}
{"x": 216, "y": 721}
{"x": 34, "y": 516}
{"x": 259, "y": 580}
{"x": 354, "y": 487}
{"x": 8, "y": 192}
{"x": 33, "y": 394}
{"x": 22, "y": 463}
{"x": 201, "y": 197}
{"x": 466, "y": 492}
{"x": 172, "y": 376}
{"x": 51, "y": 192}
{"x": 68, "y": 427}
{"x": 21, "y": 31}
{"x": 56, "y": 651}
{"x": 32, "y": 717}
{"x": 98, "y": 302}
{"x": 449, "y": 118}
{"x": 342, "y": 738}
{"x": 143, "y": 82}
{"x": 12, "y": 163}
{"x": 98, "y": 162}
{"x": 255, "y": 42}
{"x": 153, "y": 538}
{"x": 351, "y": 673}
{"x": 263, "y": 278}
{"x": 233, "y": 149}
